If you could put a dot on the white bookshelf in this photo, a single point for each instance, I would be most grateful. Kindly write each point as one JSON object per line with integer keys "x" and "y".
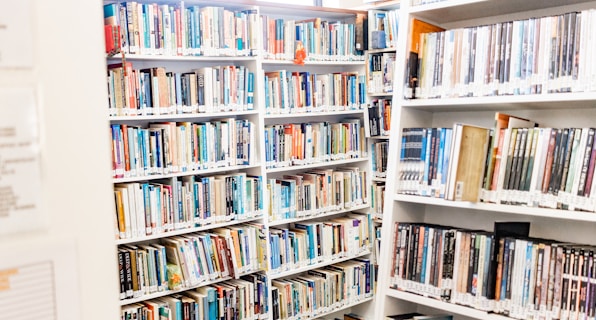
{"x": 259, "y": 64}
{"x": 558, "y": 110}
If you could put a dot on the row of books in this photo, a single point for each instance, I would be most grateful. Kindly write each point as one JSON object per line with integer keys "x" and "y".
{"x": 242, "y": 299}
{"x": 144, "y": 208}
{"x": 322, "y": 291}
{"x": 532, "y": 56}
{"x": 171, "y": 147}
{"x": 424, "y": 161}
{"x": 377, "y": 199}
{"x": 162, "y": 29}
{"x": 519, "y": 164}
{"x": 381, "y": 67}
{"x": 309, "y": 243}
{"x": 156, "y": 91}
{"x": 316, "y": 192}
{"x": 321, "y": 40}
{"x": 547, "y": 167}
{"x": 379, "y": 151}
{"x": 302, "y": 92}
{"x": 521, "y": 277}
{"x": 378, "y": 116}
{"x": 382, "y": 28}
{"x": 187, "y": 261}
{"x": 305, "y": 143}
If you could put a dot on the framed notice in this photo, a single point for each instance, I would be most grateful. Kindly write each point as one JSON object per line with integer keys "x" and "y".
{"x": 39, "y": 281}
{"x": 20, "y": 179}
{"x": 16, "y": 37}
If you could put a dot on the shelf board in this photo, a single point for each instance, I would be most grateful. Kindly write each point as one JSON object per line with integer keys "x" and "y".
{"x": 182, "y": 116}
{"x": 457, "y": 10}
{"x": 380, "y": 5}
{"x": 324, "y": 214}
{"x": 187, "y": 230}
{"x": 169, "y": 292}
{"x": 343, "y": 307}
{"x": 379, "y": 137}
{"x": 325, "y": 263}
{"x": 521, "y": 210}
{"x": 185, "y": 173}
{"x": 157, "y": 57}
{"x": 313, "y": 114}
{"x": 377, "y": 179}
{"x": 316, "y": 62}
{"x": 489, "y": 103}
{"x": 380, "y": 94}
{"x": 445, "y": 307}
{"x": 317, "y": 165}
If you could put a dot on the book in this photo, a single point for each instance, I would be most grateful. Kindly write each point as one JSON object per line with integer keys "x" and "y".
{"x": 417, "y": 28}
{"x": 467, "y": 166}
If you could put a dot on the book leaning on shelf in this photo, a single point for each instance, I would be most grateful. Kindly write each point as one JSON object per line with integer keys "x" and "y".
{"x": 209, "y": 302}
{"x": 317, "y": 292}
{"x": 309, "y": 243}
{"x": 189, "y": 260}
{"x": 443, "y": 162}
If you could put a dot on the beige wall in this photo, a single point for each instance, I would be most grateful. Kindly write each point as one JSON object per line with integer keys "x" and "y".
{"x": 69, "y": 79}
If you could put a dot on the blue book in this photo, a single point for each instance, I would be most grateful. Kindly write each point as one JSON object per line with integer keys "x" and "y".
{"x": 178, "y": 208}
{"x": 211, "y": 308}
{"x": 274, "y": 253}
{"x": 147, "y": 207}
{"x": 207, "y": 197}
{"x": 206, "y": 242}
{"x": 178, "y": 84}
{"x": 446, "y": 159}
{"x": 306, "y": 87}
{"x": 312, "y": 239}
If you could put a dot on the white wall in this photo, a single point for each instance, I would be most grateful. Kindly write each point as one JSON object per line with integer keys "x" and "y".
{"x": 69, "y": 76}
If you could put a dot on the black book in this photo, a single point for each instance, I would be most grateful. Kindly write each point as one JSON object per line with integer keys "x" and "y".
{"x": 503, "y": 230}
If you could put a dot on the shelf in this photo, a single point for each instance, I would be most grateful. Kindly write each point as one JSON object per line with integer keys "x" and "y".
{"x": 512, "y": 209}
{"x": 184, "y": 174}
{"x": 381, "y": 5}
{"x": 317, "y": 165}
{"x": 458, "y": 10}
{"x": 380, "y": 94}
{"x": 444, "y": 307}
{"x": 343, "y": 307}
{"x": 187, "y": 230}
{"x": 184, "y": 116}
{"x": 169, "y": 292}
{"x": 494, "y": 103}
{"x": 379, "y": 137}
{"x": 294, "y": 271}
{"x": 157, "y": 57}
{"x": 377, "y": 179}
{"x": 313, "y": 114}
{"x": 330, "y": 62}
{"x": 325, "y": 214}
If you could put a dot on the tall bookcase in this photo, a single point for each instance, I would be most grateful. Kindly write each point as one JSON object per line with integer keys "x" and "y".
{"x": 557, "y": 110}
{"x": 299, "y": 193}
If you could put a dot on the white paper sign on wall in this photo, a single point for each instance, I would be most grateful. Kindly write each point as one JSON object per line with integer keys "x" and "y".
{"x": 20, "y": 173}
{"x": 16, "y": 37}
